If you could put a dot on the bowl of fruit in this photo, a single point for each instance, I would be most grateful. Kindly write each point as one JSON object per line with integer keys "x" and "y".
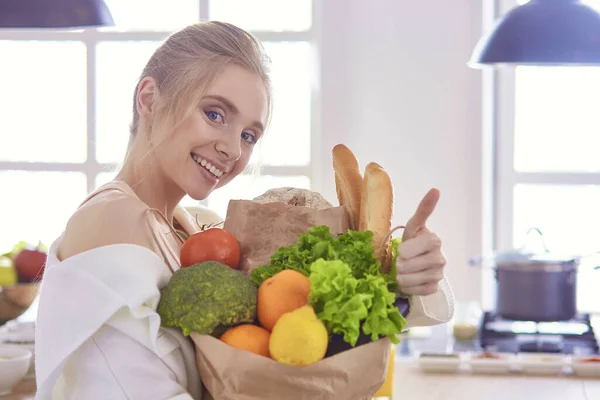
{"x": 21, "y": 271}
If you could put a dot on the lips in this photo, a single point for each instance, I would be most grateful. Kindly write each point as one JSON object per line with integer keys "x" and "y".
{"x": 207, "y": 165}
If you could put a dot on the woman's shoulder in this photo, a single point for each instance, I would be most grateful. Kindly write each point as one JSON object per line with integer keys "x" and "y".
{"x": 108, "y": 216}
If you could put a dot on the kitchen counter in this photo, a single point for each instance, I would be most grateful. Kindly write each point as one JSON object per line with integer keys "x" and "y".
{"x": 411, "y": 383}
{"x": 23, "y": 391}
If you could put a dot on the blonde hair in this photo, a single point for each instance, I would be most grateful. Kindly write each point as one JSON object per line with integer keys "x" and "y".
{"x": 186, "y": 64}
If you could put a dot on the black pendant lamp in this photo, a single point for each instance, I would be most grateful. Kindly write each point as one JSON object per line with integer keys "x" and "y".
{"x": 545, "y": 33}
{"x": 54, "y": 13}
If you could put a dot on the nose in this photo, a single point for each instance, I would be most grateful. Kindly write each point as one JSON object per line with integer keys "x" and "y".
{"x": 229, "y": 146}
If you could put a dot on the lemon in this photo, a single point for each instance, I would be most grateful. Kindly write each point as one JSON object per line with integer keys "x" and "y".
{"x": 299, "y": 338}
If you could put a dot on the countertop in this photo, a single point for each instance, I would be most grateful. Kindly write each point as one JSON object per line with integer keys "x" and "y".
{"x": 412, "y": 384}
{"x": 23, "y": 391}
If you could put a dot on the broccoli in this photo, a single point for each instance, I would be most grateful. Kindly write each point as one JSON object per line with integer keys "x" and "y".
{"x": 207, "y": 298}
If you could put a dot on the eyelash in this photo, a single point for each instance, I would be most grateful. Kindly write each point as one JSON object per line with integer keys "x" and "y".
{"x": 252, "y": 138}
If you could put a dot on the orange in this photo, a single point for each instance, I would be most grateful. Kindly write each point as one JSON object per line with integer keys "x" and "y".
{"x": 282, "y": 293}
{"x": 248, "y": 337}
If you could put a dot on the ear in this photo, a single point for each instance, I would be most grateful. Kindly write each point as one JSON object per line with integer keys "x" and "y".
{"x": 146, "y": 97}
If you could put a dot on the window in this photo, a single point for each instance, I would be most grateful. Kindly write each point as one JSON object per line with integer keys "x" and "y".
{"x": 548, "y": 163}
{"x": 66, "y": 101}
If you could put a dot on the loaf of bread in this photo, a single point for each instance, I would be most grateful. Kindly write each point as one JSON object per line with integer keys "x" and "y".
{"x": 294, "y": 197}
{"x": 376, "y": 210}
{"x": 348, "y": 182}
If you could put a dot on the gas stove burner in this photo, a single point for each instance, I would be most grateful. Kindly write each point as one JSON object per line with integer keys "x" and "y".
{"x": 569, "y": 337}
{"x": 530, "y": 327}
{"x": 534, "y": 344}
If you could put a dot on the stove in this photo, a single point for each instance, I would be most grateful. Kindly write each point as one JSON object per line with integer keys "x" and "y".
{"x": 574, "y": 337}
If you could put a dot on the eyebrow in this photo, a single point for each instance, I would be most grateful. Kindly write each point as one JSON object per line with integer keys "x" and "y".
{"x": 234, "y": 110}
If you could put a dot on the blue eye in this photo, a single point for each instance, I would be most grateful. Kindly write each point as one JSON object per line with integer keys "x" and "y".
{"x": 249, "y": 137}
{"x": 214, "y": 116}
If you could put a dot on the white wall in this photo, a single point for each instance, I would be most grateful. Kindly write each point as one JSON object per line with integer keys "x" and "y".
{"x": 397, "y": 90}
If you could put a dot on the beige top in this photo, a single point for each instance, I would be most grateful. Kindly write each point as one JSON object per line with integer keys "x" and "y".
{"x": 119, "y": 216}
{"x": 98, "y": 263}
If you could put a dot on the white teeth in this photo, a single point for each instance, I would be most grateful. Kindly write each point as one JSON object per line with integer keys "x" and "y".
{"x": 214, "y": 170}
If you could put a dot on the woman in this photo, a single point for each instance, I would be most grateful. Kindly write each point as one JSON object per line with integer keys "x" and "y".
{"x": 200, "y": 107}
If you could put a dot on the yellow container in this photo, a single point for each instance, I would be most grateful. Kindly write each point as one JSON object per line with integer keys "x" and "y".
{"x": 387, "y": 388}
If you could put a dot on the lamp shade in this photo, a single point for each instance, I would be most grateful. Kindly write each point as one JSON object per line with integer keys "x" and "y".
{"x": 542, "y": 32}
{"x": 54, "y": 13}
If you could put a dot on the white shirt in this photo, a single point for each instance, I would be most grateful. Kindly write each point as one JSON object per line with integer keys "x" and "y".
{"x": 98, "y": 335}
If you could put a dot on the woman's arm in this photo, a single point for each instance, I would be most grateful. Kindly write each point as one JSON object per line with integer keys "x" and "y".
{"x": 434, "y": 309}
{"x": 98, "y": 335}
{"x": 113, "y": 365}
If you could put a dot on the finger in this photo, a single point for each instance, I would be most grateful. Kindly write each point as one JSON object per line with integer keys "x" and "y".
{"x": 424, "y": 211}
{"x": 432, "y": 259}
{"x": 425, "y": 242}
{"x": 431, "y": 275}
{"x": 422, "y": 290}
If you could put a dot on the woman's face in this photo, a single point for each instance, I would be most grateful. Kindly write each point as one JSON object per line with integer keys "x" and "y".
{"x": 214, "y": 144}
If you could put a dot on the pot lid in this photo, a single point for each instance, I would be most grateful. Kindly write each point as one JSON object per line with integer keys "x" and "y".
{"x": 524, "y": 257}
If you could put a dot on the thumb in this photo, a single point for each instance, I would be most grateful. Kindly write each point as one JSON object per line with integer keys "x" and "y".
{"x": 425, "y": 208}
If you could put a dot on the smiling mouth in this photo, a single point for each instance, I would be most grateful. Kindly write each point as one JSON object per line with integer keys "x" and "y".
{"x": 206, "y": 165}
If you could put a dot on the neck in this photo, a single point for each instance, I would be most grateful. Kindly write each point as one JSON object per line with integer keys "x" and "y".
{"x": 143, "y": 174}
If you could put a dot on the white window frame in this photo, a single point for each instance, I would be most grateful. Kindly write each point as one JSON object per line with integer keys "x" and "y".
{"x": 500, "y": 176}
{"x": 91, "y": 37}
{"x": 506, "y": 177}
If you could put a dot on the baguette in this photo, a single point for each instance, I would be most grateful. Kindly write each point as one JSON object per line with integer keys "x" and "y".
{"x": 376, "y": 210}
{"x": 348, "y": 183}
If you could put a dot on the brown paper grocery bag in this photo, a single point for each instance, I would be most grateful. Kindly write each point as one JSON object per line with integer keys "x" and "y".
{"x": 262, "y": 228}
{"x": 232, "y": 374}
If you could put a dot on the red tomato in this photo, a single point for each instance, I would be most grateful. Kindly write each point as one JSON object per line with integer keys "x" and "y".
{"x": 213, "y": 244}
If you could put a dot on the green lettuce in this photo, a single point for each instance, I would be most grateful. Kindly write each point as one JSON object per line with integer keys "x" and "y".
{"x": 344, "y": 302}
{"x": 352, "y": 247}
{"x": 348, "y": 290}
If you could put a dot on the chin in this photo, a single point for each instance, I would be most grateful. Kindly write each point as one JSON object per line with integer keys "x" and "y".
{"x": 199, "y": 194}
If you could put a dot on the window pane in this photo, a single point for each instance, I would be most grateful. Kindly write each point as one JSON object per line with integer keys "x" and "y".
{"x": 104, "y": 177}
{"x": 569, "y": 217}
{"x": 288, "y": 139}
{"x": 34, "y": 211}
{"x": 115, "y": 86}
{"x": 157, "y": 15}
{"x": 43, "y": 101}
{"x": 557, "y": 122}
{"x": 264, "y": 15}
{"x": 247, "y": 187}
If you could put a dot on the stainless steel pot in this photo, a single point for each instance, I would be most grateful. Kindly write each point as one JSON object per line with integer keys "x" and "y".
{"x": 535, "y": 286}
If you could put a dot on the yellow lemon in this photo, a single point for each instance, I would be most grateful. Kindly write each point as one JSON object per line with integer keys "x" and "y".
{"x": 299, "y": 338}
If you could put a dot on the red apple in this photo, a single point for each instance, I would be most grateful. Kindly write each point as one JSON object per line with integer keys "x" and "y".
{"x": 29, "y": 264}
